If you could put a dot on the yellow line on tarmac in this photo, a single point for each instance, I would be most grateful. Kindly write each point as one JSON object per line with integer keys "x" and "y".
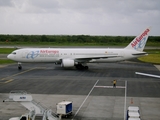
{"x": 9, "y": 81}
{"x": 19, "y": 73}
{"x": 2, "y": 66}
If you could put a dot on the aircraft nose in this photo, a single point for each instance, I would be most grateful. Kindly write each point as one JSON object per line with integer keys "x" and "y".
{"x": 9, "y": 56}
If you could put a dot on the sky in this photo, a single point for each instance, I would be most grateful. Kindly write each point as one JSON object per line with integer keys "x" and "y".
{"x": 79, "y": 17}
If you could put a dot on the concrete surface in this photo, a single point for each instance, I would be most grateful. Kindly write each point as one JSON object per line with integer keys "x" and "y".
{"x": 50, "y": 84}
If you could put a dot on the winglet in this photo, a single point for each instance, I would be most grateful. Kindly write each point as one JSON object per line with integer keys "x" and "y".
{"x": 139, "y": 42}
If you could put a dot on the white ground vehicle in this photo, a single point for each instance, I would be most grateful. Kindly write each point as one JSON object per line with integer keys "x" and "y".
{"x": 133, "y": 113}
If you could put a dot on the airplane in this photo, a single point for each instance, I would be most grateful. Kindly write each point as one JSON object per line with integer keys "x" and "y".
{"x": 79, "y": 57}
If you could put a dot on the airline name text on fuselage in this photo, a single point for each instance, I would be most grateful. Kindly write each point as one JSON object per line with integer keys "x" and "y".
{"x": 138, "y": 39}
{"x": 49, "y": 51}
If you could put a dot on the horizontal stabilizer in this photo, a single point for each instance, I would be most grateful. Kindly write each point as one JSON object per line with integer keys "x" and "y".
{"x": 143, "y": 53}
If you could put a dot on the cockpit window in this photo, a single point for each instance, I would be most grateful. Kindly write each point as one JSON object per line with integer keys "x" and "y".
{"x": 14, "y": 53}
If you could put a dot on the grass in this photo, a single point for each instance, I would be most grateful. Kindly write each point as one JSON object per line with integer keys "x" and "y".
{"x": 6, "y": 50}
{"x": 6, "y": 61}
{"x": 151, "y": 58}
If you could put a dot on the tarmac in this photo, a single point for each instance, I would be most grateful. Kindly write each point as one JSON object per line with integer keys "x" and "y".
{"x": 91, "y": 90}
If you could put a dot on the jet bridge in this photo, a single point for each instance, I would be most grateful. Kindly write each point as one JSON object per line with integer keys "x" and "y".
{"x": 34, "y": 107}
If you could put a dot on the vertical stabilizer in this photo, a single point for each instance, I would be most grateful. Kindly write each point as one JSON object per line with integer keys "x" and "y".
{"x": 139, "y": 42}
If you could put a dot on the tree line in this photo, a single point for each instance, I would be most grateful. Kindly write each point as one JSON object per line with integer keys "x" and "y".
{"x": 72, "y": 38}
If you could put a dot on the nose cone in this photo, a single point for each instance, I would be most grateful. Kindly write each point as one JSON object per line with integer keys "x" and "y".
{"x": 9, "y": 57}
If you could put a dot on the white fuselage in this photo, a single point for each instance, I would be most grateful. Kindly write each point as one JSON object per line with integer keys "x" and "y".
{"x": 77, "y": 54}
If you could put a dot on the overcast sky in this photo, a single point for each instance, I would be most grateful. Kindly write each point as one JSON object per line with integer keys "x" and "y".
{"x": 77, "y": 17}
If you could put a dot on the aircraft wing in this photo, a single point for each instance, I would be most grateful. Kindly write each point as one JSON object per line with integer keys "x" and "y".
{"x": 87, "y": 59}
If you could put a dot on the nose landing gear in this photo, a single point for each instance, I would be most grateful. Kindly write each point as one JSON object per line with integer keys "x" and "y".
{"x": 19, "y": 66}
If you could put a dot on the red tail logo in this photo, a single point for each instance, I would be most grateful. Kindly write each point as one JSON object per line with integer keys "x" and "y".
{"x": 138, "y": 39}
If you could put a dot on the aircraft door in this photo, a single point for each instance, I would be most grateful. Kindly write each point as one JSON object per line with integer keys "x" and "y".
{"x": 24, "y": 54}
{"x": 122, "y": 54}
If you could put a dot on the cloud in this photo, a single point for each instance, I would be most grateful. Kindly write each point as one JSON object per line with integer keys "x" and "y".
{"x": 93, "y": 17}
{"x": 5, "y": 3}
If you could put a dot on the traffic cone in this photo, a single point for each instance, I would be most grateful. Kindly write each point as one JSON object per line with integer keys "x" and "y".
{"x": 131, "y": 100}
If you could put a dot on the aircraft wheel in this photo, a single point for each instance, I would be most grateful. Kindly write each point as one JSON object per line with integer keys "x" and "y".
{"x": 19, "y": 67}
{"x": 86, "y": 67}
{"x": 79, "y": 67}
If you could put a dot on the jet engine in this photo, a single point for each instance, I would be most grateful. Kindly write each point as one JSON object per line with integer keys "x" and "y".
{"x": 67, "y": 63}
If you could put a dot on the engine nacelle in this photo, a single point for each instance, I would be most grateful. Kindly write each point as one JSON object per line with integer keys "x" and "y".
{"x": 67, "y": 63}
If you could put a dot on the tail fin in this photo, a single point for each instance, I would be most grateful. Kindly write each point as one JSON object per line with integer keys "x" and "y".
{"x": 139, "y": 42}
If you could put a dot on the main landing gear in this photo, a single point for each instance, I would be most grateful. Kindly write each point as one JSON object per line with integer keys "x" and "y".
{"x": 81, "y": 67}
{"x": 19, "y": 66}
